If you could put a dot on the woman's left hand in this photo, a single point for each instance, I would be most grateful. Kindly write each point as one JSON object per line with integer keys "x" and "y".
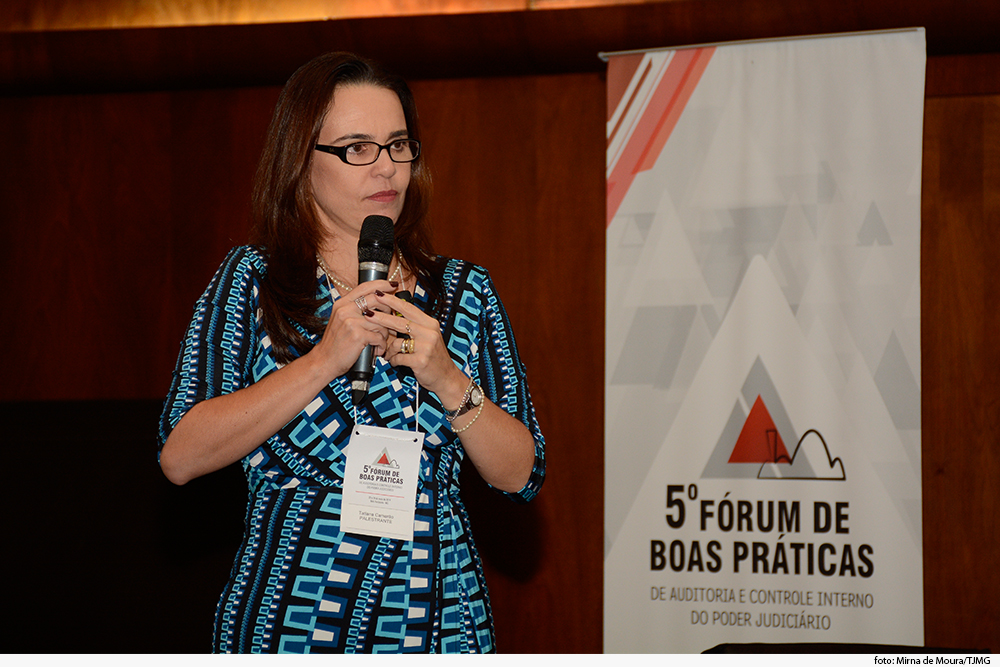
{"x": 427, "y": 356}
{"x": 501, "y": 447}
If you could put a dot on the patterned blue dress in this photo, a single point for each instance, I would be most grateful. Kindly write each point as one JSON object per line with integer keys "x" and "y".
{"x": 298, "y": 583}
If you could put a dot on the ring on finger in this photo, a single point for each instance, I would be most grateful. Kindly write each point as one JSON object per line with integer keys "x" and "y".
{"x": 407, "y": 346}
{"x": 362, "y": 304}
{"x": 408, "y": 332}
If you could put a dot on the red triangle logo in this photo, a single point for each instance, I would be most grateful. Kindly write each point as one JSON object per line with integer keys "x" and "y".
{"x": 759, "y": 441}
{"x": 384, "y": 459}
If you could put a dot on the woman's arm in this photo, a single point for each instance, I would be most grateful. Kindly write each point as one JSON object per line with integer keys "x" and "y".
{"x": 501, "y": 447}
{"x": 224, "y": 429}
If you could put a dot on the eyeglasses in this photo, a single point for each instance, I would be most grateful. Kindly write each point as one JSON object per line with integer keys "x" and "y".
{"x": 367, "y": 152}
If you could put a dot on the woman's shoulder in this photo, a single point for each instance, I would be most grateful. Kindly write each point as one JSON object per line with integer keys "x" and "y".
{"x": 463, "y": 274}
{"x": 243, "y": 262}
{"x": 467, "y": 286}
{"x": 247, "y": 257}
{"x": 242, "y": 268}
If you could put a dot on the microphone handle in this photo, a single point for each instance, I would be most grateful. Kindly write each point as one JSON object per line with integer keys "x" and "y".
{"x": 364, "y": 368}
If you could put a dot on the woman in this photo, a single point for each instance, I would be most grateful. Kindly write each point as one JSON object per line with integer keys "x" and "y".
{"x": 261, "y": 379}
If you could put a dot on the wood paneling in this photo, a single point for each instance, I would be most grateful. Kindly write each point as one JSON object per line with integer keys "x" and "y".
{"x": 76, "y": 15}
{"x": 115, "y": 211}
{"x": 535, "y": 42}
{"x": 960, "y": 293}
{"x": 43, "y": 15}
{"x": 963, "y": 75}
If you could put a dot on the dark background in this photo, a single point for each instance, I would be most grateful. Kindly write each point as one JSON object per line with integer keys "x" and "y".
{"x": 127, "y": 160}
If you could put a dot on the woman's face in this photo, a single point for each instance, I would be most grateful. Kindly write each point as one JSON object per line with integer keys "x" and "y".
{"x": 346, "y": 194}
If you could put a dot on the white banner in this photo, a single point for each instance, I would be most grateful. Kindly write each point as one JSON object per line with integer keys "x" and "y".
{"x": 762, "y": 420}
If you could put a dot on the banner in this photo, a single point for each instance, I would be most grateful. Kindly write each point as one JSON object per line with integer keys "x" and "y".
{"x": 762, "y": 379}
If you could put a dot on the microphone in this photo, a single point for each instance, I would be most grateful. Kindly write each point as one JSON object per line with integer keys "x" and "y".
{"x": 375, "y": 247}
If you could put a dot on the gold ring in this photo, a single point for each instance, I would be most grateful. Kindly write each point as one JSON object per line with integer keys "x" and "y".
{"x": 408, "y": 332}
{"x": 407, "y": 346}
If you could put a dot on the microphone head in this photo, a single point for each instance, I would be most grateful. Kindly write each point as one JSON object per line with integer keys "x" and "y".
{"x": 377, "y": 240}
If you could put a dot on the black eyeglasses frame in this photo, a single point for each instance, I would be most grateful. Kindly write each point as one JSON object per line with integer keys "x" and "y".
{"x": 341, "y": 151}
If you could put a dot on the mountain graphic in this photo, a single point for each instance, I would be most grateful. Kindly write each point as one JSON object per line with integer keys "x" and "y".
{"x": 759, "y": 441}
{"x": 760, "y": 436}
{"x": 813, "y": 443}
{"x": 385, "y": 460}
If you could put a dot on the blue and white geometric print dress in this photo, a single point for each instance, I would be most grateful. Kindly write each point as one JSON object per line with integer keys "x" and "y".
{"x": 298, "y": 583}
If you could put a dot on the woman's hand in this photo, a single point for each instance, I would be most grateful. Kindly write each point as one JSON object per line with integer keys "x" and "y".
{"x": 427, "y": 356}
{"x": 224, "y": 429}
{"x": 500, "y": 446}
{"x": 352, "y": 326}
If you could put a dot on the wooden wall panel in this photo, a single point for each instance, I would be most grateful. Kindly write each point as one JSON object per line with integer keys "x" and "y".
{"x": 960, "y": 293}
{"x": 74, "y": 15}
{"x": 39, "y": 15}
{"x": 473, "y": 45}
{"x": 85, "y": 222}
{"x": 114, "y": 208}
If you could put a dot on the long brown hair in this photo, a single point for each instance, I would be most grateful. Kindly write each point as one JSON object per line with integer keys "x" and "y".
{"x": 284, "y": 221}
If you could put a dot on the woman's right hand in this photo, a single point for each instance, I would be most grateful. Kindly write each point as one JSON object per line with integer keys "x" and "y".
{"x": 350, "y": 329}
{"x": 221, "y": 430}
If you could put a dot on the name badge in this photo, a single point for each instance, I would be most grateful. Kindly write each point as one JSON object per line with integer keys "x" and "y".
{"x": 380, "y": 482}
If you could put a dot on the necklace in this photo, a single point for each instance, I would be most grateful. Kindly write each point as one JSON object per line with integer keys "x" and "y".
{"x": 343, "y": 287}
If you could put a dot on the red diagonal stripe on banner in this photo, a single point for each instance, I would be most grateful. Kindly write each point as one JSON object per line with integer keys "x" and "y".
{"x": 631, "y": 99}
{"x": 657, "y": 122}
{"x": 689, "y": 81}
